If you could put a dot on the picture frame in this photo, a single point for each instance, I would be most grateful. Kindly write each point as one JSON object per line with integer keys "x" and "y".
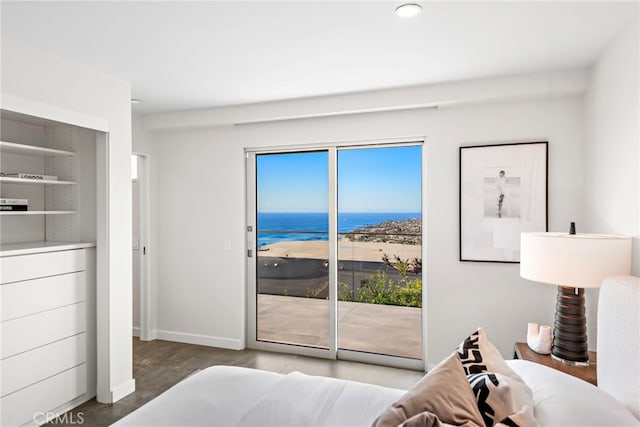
{"x": 503, "y": 192}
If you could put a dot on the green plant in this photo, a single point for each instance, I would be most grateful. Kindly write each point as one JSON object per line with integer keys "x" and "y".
{"x": 375, "y": 289}
{"x": 379, "y": 289}
{"x": 313, "y": 293}
{"x": 409, "y": 295}
{"x": 345, "y": 292}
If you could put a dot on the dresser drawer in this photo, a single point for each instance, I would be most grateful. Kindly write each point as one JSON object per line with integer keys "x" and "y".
{"x": 35, "y": 365}
{"x": 19, "y": 299}
{"x": 23, "y": 405}
{"x": 25, "y": 267}
{"x": 26, "y": 333}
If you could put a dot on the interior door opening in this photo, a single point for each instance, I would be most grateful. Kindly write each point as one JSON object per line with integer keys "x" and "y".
{"x": 141, "y": 295}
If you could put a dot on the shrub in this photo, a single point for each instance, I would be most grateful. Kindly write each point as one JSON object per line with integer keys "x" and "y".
{"x": 379, "y": 289}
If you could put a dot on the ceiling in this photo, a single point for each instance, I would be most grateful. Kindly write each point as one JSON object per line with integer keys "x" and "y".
{"x": 187, "y": 55}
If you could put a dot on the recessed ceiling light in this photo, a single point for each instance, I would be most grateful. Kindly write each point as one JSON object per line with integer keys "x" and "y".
{"x": 136, "y": 101}
{"x": 408, "y": 10}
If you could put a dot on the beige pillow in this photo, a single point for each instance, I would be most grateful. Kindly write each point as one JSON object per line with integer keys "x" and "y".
{"x": 444, "y": 391}
{"x": 423, "y": 419}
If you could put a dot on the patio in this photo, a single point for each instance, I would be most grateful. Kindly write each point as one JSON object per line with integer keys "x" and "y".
{"x": 372, "y": 328}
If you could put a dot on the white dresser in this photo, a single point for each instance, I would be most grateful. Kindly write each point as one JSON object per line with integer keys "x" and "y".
{"x": 47, "y": 324}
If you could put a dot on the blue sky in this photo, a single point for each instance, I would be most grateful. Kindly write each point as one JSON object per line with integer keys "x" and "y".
{"x": 369, "y": 180}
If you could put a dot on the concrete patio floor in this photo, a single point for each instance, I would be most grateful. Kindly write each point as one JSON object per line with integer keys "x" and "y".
{"x": 372, "y": 328}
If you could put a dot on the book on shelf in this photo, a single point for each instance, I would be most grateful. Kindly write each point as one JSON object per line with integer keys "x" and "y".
{"x": 14, "y": 202}
{"x": 9, "y": 208}
{"x": 36, "y": 176}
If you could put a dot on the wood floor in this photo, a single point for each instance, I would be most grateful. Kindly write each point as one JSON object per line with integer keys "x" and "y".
{"x": 158, "y": 365}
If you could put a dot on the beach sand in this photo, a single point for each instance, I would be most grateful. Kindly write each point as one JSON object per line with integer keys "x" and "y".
{"x": 347, "y": 250}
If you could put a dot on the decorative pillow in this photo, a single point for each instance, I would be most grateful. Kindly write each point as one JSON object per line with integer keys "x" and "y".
{"x": 423, "y": 419}
{"x": 443, "y": 391}
{"x": 478, "y": 355}
{"x": 524, "y": 417}
{"x": 493, "y": 396}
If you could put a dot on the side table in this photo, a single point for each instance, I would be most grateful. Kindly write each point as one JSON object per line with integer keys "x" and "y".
{"x": 587, "y": 373}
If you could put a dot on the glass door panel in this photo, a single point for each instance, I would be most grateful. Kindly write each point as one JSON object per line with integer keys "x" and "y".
{"x": 292, "y": 262}
{"x": 380, "y": 250}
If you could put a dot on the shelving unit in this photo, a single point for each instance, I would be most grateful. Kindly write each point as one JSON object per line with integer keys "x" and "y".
{"x": 32, "y": 145}
{"x": 13, "y": 213}
{"x": 59, "y": 210}
{"x": 12, "y": 147}
{"x": 47, "y": 267}
{"x": 12, "y": 180}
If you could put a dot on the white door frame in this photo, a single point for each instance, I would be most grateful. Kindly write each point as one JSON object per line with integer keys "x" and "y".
{"x": 252, "y": 342}
{"x": 143, "y": 252}
{"x": 332, "y": 351}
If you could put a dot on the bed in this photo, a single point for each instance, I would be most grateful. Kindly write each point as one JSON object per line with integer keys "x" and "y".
{"x": 228, "y": 396}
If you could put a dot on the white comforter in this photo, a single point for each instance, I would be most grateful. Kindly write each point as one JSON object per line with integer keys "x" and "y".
{"x": 226, "y": 396}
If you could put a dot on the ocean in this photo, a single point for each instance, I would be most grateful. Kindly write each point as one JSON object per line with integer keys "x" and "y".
{"x": 287, "y": 226}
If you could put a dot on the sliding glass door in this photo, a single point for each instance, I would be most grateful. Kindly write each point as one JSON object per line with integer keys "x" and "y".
{"x": 335, "y": 252}
{"x": 380, "y": 251}
{"x": 292, "y": 263}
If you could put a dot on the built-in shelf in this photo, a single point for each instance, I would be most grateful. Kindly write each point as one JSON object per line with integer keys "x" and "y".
{"x": 24, "y": 248}
{"x": 43, "y": 249}
{"x": 37, "y": 212}
{"x": 32, "y": 150}
{"x": 11, "y": 180}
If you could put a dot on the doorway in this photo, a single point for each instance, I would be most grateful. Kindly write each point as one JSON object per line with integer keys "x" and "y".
{"x": 141, "y": 296}
{"x": 335, "y": 252}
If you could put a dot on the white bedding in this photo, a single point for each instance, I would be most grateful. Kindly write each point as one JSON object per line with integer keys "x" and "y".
{"x": 226, "y": 396}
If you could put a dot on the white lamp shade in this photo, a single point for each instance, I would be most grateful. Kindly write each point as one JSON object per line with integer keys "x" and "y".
{"x": 574, "y": 260}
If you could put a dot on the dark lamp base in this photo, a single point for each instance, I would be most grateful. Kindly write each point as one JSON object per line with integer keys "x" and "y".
{"x": 570, "y": 328}
{"x": 569, "y": 362}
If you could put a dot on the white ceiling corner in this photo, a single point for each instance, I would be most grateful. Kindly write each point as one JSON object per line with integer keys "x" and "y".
{"x": 187, "y": 55}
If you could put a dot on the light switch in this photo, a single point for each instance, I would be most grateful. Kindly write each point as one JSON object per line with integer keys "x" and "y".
{"x": 227, "y": 245}
{"x": 136, "y": 245}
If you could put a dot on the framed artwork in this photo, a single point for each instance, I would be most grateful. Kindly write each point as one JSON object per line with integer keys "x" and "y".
{"x": 503, "y": 192}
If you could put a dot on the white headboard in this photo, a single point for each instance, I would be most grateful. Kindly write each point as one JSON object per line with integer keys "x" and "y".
{"x": 619, "y": 340}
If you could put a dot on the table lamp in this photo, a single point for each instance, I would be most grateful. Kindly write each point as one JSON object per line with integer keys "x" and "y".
{"x": 572, "y": 262}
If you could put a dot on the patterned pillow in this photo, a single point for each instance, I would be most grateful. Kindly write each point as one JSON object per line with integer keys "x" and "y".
{"x": 478, "y": 355}
{"x": 493, "y": 396}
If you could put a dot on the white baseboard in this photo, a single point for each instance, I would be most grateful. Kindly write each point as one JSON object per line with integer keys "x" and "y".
{"x": 135, "y": 331}
{"x": 210, "y": 341}
{"x": 123, "y": 390}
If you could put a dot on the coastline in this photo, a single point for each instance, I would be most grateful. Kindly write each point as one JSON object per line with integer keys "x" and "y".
{"x": 347, "y": 250}
{"x": 394, "y": 237}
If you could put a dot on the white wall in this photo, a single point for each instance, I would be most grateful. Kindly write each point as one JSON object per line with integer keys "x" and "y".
{"x": 197, "y": 202}
{"x": 140, "y": 137}
{"x": 201, "y": 287}
{"x": 41, "y": 77}
{"x": 613, "y": 142}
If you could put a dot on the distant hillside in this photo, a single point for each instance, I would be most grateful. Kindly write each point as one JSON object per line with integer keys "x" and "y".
{"x": 406, "y": 231}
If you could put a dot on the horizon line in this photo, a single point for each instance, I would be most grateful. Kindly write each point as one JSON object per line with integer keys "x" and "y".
{"x": 349, "y": 212}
